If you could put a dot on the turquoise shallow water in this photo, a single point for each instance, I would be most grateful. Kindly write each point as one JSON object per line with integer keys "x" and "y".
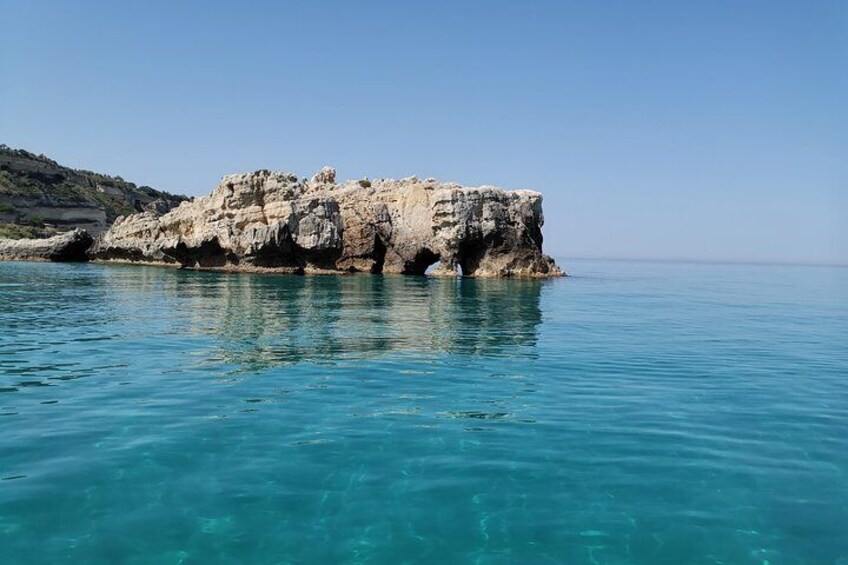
{"x": 634, "y": 413}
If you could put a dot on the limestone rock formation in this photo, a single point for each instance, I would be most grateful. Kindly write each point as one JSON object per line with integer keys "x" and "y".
{"x": 274, "y": 221}
{"x": 69, "y": 246}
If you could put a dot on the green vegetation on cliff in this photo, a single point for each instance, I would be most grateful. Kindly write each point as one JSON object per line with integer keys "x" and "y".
{"x": 38, "y": 196}
{"x": 18, "y": 231}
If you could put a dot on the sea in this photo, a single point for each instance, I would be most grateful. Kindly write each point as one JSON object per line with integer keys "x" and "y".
{"x": 632, "y": 413}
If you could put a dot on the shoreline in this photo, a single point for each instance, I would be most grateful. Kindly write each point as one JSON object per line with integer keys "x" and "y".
{"x": 305, "y": 272}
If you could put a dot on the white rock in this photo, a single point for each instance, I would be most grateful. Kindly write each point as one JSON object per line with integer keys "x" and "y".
{"x": 273, "y": 221}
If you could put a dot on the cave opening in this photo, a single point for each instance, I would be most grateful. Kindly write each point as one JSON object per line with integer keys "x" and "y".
{"x": 208, "y": 254}
{"x": 278, "y": 251}
{"x": 423, "y": 259}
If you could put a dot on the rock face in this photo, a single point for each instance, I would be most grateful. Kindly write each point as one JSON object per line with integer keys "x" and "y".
{"x": 69, "y": 246}
{"x": 274, "y": 221}
{"x": 36, "y": 191}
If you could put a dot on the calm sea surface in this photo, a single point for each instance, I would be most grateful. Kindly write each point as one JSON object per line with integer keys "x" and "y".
{"x": 644, "y": 413}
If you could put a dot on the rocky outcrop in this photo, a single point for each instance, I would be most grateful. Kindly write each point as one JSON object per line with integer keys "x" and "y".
{"x": 39, "y": 192}
{"x": 274, "y": 221}
{"x": 69, "y": 246}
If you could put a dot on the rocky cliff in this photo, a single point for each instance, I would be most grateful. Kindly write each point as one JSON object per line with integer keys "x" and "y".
{"x": 276, "y": 222}
{"x": 39, "y": 196}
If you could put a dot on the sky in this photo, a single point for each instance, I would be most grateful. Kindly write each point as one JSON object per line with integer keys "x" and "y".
{"x": 705, "y": 130}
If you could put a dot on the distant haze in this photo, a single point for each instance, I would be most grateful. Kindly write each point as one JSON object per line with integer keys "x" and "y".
{"x": 678, "y": 130}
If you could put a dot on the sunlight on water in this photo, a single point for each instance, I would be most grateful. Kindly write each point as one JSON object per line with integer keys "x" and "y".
{"x": 634, "y": 413}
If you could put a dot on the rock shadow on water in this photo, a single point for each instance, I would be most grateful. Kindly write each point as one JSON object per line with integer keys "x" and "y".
{"x": 265, "y": 321}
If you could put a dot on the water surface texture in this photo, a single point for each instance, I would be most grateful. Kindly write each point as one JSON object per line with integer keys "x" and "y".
{"x": 642, "y": 413}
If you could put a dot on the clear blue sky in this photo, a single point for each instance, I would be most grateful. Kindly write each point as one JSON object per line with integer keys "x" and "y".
{"x": 705, "y": 130}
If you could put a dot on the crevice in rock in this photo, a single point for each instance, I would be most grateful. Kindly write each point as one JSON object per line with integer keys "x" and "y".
{"x": 470, "y": 257}
{"x": 379, "y": 256}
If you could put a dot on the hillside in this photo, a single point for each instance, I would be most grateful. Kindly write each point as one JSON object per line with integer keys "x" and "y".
{"x": 39, "y": 197}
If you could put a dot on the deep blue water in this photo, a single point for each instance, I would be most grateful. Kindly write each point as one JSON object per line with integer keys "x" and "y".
{"x": 643, "y": 413}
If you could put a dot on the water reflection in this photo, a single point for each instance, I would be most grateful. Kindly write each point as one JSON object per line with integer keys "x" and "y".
{"x": 260, "y": 321}
{"x": 68, "y": 322}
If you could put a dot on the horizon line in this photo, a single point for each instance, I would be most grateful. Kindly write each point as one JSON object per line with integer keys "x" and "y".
{"x": 752, "y": 262}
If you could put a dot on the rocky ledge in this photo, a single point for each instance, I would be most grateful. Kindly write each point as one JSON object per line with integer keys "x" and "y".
{"x": 272, "y": 221}
{"x": 69, "y": 246}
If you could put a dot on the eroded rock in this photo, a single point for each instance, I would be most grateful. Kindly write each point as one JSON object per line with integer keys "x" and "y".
{"x": 273, "y": 221}
{"x": 69, "y": 246}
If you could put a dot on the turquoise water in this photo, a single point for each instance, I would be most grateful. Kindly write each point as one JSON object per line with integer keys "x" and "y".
{"x": 634, "y": 413}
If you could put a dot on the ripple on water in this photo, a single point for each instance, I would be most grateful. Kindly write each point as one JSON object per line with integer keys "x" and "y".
{"x": 637, "y": 413}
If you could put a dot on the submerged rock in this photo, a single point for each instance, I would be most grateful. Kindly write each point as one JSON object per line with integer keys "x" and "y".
{"x": 69, "y": 246}
{"x": 273, "y": 221}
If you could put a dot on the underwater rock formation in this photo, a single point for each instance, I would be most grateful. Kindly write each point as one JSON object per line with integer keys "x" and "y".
{"x": 276, "y": 222}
